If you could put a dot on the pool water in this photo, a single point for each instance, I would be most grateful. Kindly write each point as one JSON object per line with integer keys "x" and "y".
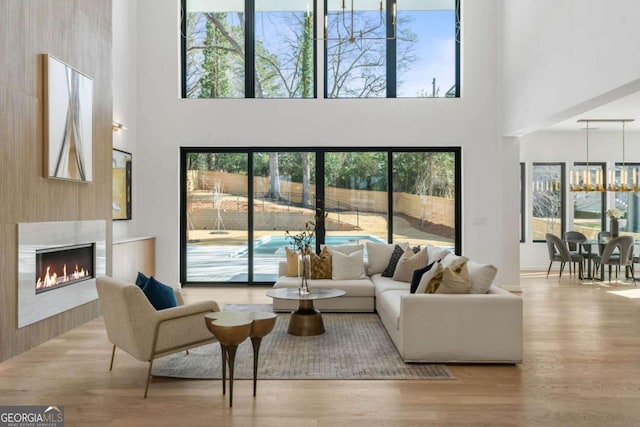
{"x": 274, "y": 245}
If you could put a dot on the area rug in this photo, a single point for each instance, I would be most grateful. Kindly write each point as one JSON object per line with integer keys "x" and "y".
{"x": 354, "y": 346}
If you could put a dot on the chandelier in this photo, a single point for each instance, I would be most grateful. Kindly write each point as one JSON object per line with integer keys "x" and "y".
{"x": 346, "y": 18}
{"x": 591, "y": 178}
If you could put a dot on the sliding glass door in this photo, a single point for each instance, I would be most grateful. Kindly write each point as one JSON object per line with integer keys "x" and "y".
{"x": 215, "y": 217}
{"x": 238, "y": 204}
{"x": 283, "y": 200}
{"x": 355, "y": 197}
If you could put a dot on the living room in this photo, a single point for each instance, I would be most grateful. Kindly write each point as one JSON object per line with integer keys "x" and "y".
{"x": 523, "y": 67}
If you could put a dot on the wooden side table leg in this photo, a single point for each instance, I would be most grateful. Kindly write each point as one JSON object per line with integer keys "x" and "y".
{"x": 223, "y": 352}
{"x": 231, "y": 357}
{"x": 255, "y": 343}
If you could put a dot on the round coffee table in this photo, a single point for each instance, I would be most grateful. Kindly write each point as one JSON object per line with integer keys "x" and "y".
{"x": 306, "y": 320}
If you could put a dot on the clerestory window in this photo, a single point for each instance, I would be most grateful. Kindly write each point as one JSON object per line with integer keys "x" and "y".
{"x": 371, "y": 48}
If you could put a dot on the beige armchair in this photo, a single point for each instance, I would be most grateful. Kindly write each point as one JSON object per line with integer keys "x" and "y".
{"x": 136, "y": 327}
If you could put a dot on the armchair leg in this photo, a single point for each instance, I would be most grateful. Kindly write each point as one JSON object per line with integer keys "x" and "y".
{"x": 562, "y": 268}
{"x": 146, "y": 389}
{"x": 549, "y": 269}
{"x": 113, "y": 353}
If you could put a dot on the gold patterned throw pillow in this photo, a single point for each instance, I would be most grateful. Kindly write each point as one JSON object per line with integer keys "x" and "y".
{"x": 456, "y": 266}
{"x": 292, "y": 262}
{"x": 455, "y": 282}
{"x": 321, "y": 265}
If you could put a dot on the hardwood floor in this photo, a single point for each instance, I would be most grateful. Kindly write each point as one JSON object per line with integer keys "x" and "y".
{"x": 581, "y": 367}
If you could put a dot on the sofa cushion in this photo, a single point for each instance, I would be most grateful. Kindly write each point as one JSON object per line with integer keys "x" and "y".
{"x": 389, "y": 303}
{"x": 292, "y": 262}
{"x": 383, "y": 284}
{"x": 454, "y": 281}
{"x": 409, "y": 262}
{"x": 160, "y": 295}
{"x": 482, "y": 276}
{"x": 397, "y": 253}
{"x": 417, "y": 276}
{"x": 345, "y": 267}
{"x": 321, "y": 265}
{"x": 378, "y": 256}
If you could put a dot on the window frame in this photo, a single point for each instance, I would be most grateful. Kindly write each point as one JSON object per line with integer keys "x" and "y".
{"x": 249, "y": 53}
{"x": 603, "y": 195}
{"x": 320, "y": 158}
{"x": 391, "y": 57}
{"x": 563, "y": 197}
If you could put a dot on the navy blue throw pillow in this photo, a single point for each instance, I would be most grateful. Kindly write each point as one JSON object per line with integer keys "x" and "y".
{"x": 417, "y": 275}
{"x": 141, "y": 280}
{"x": 160, "y": 295}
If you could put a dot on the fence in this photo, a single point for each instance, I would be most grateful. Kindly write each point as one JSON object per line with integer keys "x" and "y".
{"x": 436, "y": 210}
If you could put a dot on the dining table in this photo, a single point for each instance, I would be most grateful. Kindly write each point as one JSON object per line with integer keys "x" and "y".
{"x": 586, "y": 248}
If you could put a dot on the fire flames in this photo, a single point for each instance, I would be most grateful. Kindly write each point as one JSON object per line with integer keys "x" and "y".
{"x": 51, "y": 278}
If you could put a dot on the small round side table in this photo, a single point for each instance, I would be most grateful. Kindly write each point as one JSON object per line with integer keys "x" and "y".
{"x": 231, "y": 328}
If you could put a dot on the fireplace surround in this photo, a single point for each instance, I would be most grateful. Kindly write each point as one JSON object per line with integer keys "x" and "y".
{"x": 63, "y": 237}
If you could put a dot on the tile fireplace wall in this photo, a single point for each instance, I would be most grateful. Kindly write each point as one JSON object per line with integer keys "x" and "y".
{"x": 36, "y": 236}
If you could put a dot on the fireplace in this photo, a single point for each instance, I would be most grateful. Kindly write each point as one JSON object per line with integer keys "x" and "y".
{"x": 48, "y": 253}
{"x": 63, "y": 266}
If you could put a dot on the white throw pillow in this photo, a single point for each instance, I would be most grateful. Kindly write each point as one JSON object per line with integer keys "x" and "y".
{"x": 449, "y": 259}
{"x": 378, "y": 255}
{"x": 426, "y": 278}
{"x": 343, "y": 249}
{"x": 345, "y": 267}
{"x": 435, "y": 253}
{"x": 482, "y": 276}
{"x": 410, "y": 262}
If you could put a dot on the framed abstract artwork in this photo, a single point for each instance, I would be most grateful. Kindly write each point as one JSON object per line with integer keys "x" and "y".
{"x": 68, "y": 122}
{"x": 121, "y": 206}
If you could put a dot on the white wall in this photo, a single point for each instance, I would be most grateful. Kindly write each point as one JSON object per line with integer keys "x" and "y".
{"x": 563, "y": 58}
{"x": 166, "y": 122}
{"x": 568, "y": 147}
{"x": 125, "y": 92}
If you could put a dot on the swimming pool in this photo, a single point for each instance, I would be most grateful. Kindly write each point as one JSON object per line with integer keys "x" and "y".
{"x": 274, "y": 245}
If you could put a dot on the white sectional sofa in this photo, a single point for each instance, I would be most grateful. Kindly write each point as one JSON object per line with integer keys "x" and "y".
{"x": 444, "y": 328}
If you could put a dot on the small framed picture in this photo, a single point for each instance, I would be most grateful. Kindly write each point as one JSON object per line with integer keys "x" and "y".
{"x": 121, "y": 163}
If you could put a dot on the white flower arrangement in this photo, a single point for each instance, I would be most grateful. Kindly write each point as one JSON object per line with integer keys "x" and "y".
{"x": 615, "y": 213}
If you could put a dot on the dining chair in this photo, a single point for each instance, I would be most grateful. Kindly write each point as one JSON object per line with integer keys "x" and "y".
{"x": 573, "y": 240}
{"x": 622, "y": 258}
{"x": 558, "y": 251}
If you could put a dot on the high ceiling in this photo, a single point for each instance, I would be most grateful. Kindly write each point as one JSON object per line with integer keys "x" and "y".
{"x": 623, "y": 108}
